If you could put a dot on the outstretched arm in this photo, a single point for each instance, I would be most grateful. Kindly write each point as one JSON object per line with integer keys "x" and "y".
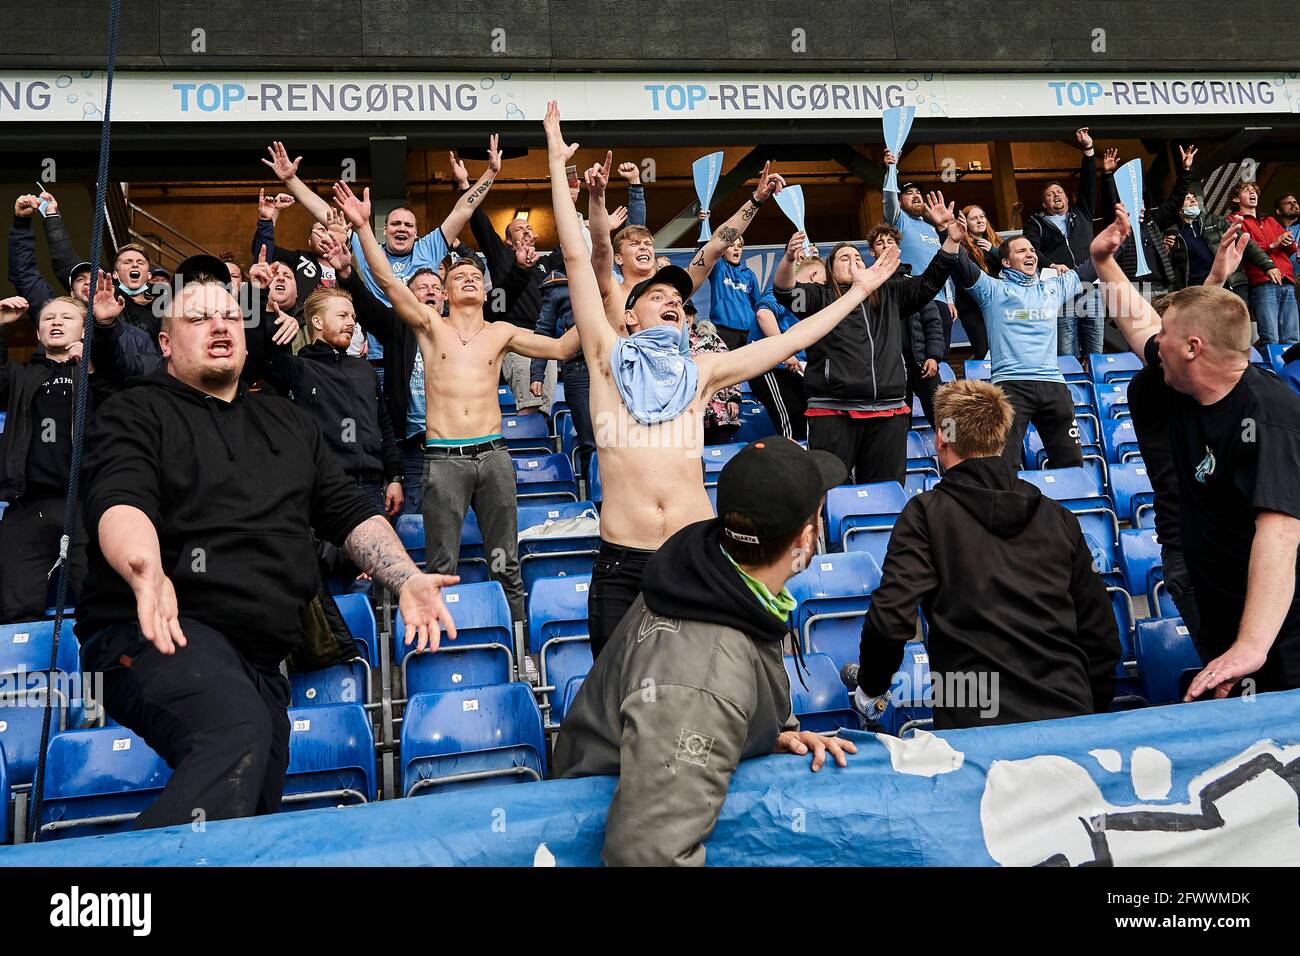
{"x": 537, "y": 346}
{"x": 769, "y": 184}
{"x": 1133, "y": 314}
{"x": 723, "y": 369}
{"x": 286, "y": 170}
{"x": 408, "y": 308}
{"x": 588, "y": 309}
{"x": 473, "y": 198}
{"x": 602, "y": 241}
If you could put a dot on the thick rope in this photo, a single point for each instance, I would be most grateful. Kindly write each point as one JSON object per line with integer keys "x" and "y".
{"x": 72, "y": 503}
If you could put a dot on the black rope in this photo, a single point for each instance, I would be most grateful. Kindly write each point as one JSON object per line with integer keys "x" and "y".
{"x": 71, "y": 503}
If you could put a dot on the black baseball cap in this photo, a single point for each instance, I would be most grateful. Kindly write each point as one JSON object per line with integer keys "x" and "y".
{"x": 675, "y": 276}
{"x": 777, "y": 485}
{"x": 201, "y": 264}
{"x": 79, "y": 269}
{"x": 905, "y": 186}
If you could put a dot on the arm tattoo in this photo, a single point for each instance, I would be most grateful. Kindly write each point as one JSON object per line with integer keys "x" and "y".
{"x": 478, "y": 193}
{"x": 374, "y": 547}
{"x": 728, "y": 235}
{"x": 699, "y": 260}
{"x": 748, "y": 211}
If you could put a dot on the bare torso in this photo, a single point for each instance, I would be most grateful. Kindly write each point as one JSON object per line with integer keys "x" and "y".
{"x": 652, "y": 476}
{"x": 460, "y": 378}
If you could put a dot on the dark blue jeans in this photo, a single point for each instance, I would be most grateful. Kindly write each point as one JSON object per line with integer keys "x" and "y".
{"x": 412, "y": 474}
{"x": 577, "y": 393}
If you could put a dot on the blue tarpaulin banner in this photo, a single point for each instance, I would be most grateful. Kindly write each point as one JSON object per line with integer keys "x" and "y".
{"x": 1210, "y": 783}
{"x": 707, "y": 170}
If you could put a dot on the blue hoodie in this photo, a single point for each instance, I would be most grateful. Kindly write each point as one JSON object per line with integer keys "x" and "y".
{"x": 733, "y": 295}
{"x": 1020, "y": 312}
{"x": 920, "y": 241}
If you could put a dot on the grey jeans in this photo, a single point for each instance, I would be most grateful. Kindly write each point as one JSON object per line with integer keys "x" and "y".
{"x": 453, "y": 484}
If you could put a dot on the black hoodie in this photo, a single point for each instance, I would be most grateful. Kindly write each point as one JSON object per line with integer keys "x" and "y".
{"x": 1007, "y": 585}
{"x": 234, "y": 490}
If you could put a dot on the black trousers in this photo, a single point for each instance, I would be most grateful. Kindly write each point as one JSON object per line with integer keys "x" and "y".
{"x": 221, "y": 724}
{"x": 872, "y": 449}
{"x": 1049, "y": 406}
{"x": 924, "y": 389}
{"x": 734, "y": 338}
{"x": 615, "y": 583}
{"x": 29, "y": 546}
{"x": 972, "y": 320}
{"x": 781, "y": 393}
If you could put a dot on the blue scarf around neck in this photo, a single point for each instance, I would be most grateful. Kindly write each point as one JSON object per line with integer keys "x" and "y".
{"x": 654, "y": 373}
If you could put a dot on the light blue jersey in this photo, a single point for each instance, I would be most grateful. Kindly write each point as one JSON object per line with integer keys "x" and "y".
{"x": 1020, "y": 312}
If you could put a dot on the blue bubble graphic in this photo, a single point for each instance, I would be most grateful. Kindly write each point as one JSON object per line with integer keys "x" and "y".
{"x": 927, "y": 77}
{"x": 72, "y": 97}
{"x": 487, "y": 83}
{"x": 912, "y": 84}
{"x": 63, "y": 81}
{"x": 495, "y": 98}
{"x": 505, "y": 76}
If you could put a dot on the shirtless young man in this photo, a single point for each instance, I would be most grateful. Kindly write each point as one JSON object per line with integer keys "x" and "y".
{"x": 633, "y": 248}
{"x": 650, "y": 454}
{"x": 466, "y": 463}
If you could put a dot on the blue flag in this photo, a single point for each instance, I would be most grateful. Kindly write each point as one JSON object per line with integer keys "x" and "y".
{"x": 898, "y": 123}
{"x": 707, "y": 169}
{"x": 790, "y": 200}
{"x": 1128, "y": 181}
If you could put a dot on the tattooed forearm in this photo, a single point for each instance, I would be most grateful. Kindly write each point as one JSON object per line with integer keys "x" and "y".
{"x": 699, "y": 260}
{"x": 727, "y": 235}
{"x": 748, "y": 211}
{"x": 478, "y": 192}
{"x": 373, "y": 546}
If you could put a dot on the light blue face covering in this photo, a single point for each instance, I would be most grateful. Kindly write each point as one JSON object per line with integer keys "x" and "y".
{"x": 136, "y": 291}
{"x": 654, "y": 373}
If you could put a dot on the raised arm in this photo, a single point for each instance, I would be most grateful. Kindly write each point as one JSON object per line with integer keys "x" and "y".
{"x": 286, "y": 170}
{"x": 723, "y": 369}
{"x": 602, "y": 242}
{"x": 784, "y": 277}
{"x": 769, "y": 184}
{"x": 1087, "y": 172}
{"x": 892, "y": 209}
{"x": 636, "y": 209}
{"x": 584, "y": 294}
{"x": 63, "y": 255}
{"x": 471, "y": 200}
{"x": 1133, "y": 314}
{"x": 357, "y": 211}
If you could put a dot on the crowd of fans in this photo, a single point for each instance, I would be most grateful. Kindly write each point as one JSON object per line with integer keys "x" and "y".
{"x": 391, "y": 364}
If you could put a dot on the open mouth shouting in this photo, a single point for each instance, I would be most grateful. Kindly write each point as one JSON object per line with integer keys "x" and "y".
{"x": 221, "y": 347}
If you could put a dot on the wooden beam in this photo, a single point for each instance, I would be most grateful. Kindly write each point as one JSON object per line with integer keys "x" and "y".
{"x": 1005, "y": 195}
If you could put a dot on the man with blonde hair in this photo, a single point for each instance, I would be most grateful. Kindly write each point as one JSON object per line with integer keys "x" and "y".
{"x": 1234, "y": 436}
{"x": 1020, "y": 624}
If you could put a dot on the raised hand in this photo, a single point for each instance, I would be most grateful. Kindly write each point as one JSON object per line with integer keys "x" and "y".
{"x": 335, "y": 252}
{"x": 1110, "y": 160}
{"x": 53, "y": 208}
{"x": 1107, "y": 242}
{"x": 12, "y": 309}
{"x": 890, "y": 158}
{"x": 525, "y": 255}
{"x": 76, "y": 350}
{"x": 283, "y": 201}
{"x": 1085, "y": 141}
{"x": 494, "y": 154}
{"x": 597, "y": 177}
{"x": 458, "y": 170}
{"x": 286, "y": 325}
{"x": 266, "y": 208}
{"x": 280, "y": 164}
{"x": 260, "y": 273}
{"x": 106, "y": 305}
{"x": 769, "y": 183}
{"x": 337, "y": 224}
{"x": 25, "y": 205}
{"x": 555, "y": 144}
{"x": 870, "y": 278}
{"x": 617, "y": 218}
{"x": 356, "y": 211}
{"x": 631, "y": 172}
{"x": 1188, "y": 156}
{"x": 794, "y": 248}
{"x": 1232, "y": 246}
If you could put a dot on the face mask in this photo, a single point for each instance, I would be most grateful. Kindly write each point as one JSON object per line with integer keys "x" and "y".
{"x": 134, "y": 291}
{"x": 1191, "y": 212}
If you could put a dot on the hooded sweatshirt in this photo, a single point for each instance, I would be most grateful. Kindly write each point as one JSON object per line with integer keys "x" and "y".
{"x": 234, "y": 490}
{"x": 1006, "y": 582}
{"x": 691, "y": 683}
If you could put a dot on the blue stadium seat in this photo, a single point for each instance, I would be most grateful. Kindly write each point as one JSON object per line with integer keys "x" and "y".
{"x": 478, "y": 736}
{"x": 755, "y": 423}
{"x": 1139, "y": 555}
{"x": 823, "y": 705}
{"x": 1034, "y": 455}
{"x": 1275, "y": 360}
{"x": 1066, "y": 485}
{"x": 360, "y": 619}
{"x": 347, "y": 682}
{"x": 98, "y": 781}
{"x": 1162, "y": 602}
{"x": 555, "y": 556}
{"x": 571, "y": 691}
{"x": 560, "y": 410}
{"x": 24, "y": 666}
{"x": 1112, "y": 400}
{"x": 1258, "y": 360}
{"x": 1165, "y": 651}
{"x": 715, "y": 459}
{"x": 919, "y": 421}
{"x": 833, "y": 594}
{"x": 916, "y": 482}
{"x": 594, "y": 491}
{"x": 930, "y": 482}
{"x": 979, "y": 369}
{"x": 922, "y": 457}
{"x": 471, "y": 562}
{"x": 853, "y": 510}
{"x": 712, "y": 492}
{"x": 481, "y": 652}
{"x": 1115, "y": 367}
{"x": 946, "y": 374}
{"x": 331, "y": 758}
{"x": 527, "y": 433}
{"x": 1119, "y": 438}
{"x": 557, "y": 633}
{"x": 506, "y": 400}
{"x": 1071, "y": 369}
{"x": 910, "y": 698}
{"x": 1078, "y": 491}
{"x": 545, "y": 478}
{"x": 1130, "y": 486}
{"x": 4, "y": 799}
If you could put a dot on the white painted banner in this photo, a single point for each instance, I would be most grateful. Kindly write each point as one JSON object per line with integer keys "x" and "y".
{"x": 522, "y": 97}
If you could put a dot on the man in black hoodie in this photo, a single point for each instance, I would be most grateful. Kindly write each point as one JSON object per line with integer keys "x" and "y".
{"x": 1021, "y": 627}
{"x": 693, "y": 680}
{"x": 200, "y": 502}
